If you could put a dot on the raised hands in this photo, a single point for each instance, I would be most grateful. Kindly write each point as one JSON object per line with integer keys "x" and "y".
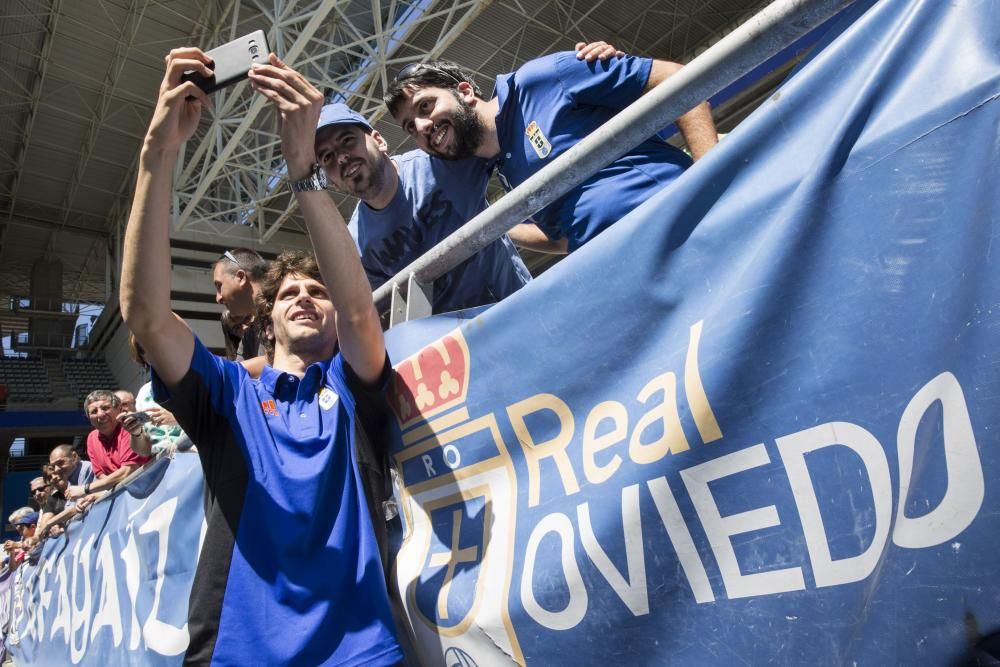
{"x": 299, "y": 104}
{"x": 180, "y": 103}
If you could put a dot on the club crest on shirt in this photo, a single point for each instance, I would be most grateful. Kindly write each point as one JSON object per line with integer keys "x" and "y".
{"x": 327, "y": 398}
{"x": 269, "y": 408}
{"x": 538, "y": 140}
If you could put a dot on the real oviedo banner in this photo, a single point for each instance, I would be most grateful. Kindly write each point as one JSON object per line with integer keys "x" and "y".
{"x": 757, "y": 420}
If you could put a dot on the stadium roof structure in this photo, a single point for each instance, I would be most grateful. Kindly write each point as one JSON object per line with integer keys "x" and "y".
{"x": 80, "y": 78}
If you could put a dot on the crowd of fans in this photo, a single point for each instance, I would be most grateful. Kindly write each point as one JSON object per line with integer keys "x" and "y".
{"x": 131, "y": 429}
{"x": 122, "y": 442}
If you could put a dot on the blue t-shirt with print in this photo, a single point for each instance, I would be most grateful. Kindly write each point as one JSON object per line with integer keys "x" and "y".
{"x": 434, "y": 198}
{"x": 290, "y": 572}
{"x": 550, "y": 104}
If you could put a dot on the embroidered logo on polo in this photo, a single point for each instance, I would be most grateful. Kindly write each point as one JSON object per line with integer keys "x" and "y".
{"x": 538, "y": 140}
{"x": 269, "y": 407}
{"x": 327, "y": 398}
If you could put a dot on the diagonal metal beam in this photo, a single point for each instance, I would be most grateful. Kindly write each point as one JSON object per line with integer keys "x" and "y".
{"x": 122, "y": 47}
{"x": 378, "y": 73}
{"x": 258, "y": 104}
{"x": 36, "y": 94}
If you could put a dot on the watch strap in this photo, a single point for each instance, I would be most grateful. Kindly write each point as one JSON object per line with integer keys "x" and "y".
{"x": 311, "y": 183}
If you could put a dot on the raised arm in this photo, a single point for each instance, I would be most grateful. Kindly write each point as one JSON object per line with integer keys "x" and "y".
{"x": 696, "y": 126}
{"x": 298, "y": 104}
{"x": 145, "y": 288}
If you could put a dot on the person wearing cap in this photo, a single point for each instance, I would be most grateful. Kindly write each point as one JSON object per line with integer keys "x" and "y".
{"x": 536, "y": 114}
{"x": 408, "y": 204}
{"x": 24, "y": 520}
{"x": 411, "y": 202}
{"x": 290, "y": 570}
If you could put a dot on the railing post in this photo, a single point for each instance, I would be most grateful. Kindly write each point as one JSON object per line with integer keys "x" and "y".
{"x": 414, "y": 305}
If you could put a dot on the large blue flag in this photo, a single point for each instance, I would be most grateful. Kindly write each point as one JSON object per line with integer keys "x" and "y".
{"x": 756, "y": 420}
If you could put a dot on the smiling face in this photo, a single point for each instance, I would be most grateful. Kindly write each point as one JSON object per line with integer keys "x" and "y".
{"x": 37, "y": 490}
{"x": 302, "y": 319}
{"x": 443, "y": 121}
{"x": 63, "y": 461}
{"x": 102, "y": 415}
{"x": 355, "y": 160}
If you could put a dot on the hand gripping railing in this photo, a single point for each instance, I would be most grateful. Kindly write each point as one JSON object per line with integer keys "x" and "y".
{"x": 775, "y": 27}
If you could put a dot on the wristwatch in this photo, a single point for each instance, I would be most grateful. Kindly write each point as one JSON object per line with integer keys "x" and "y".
{"x": 315, "y": 181}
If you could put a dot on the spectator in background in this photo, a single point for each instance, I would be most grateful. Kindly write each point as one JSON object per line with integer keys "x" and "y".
{"x": 232, "y": 334}
{"x": 161, "y": 433}
{"x": 24, "y": 520}
{"x": 126, "y": 400}
{"x": 237, "y": 275}
{"x": 68, "y": 466}
{"x": 36, "y": 492}
{"x": 108, "y": 445}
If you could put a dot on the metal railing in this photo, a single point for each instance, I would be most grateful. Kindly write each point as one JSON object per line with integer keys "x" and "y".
{"x": 775, "y": 27}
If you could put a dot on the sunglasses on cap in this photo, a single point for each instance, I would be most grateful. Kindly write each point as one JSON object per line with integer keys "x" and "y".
{"x": 232, "y": 258}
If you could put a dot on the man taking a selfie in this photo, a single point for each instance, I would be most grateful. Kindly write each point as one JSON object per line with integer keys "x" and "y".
{"x": 290, "y": 571}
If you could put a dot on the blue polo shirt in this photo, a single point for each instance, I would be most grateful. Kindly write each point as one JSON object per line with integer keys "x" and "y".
{"x": 550, "y": 104}
{"x": 289, "y": 573}
{"x": 434, "y": 198}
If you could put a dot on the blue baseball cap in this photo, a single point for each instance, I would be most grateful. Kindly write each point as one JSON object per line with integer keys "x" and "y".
{"x": 341, "y": 114}
{"x": 27, "y": 519}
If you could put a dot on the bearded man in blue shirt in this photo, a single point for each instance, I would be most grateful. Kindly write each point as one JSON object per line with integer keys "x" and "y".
{"x": 289, "y": 573}
{"x": 408, "y": 204}
{"x": 539, "y": 112}
{"x": 411, "y": 202}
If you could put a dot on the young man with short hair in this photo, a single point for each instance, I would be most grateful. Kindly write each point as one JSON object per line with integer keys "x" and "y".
{"x": 408, "y": 204}
{"x": 235, "y": 275}
{"x": 539, "y": 112}
{"x": 290, "y": 571}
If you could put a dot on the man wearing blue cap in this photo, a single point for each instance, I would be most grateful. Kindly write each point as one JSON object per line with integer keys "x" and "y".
{"x": 411, "y": 202}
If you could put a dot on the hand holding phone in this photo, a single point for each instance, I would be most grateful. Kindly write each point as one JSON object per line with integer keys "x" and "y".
{"x": 133, "y": 422}
{"x": 231, "y": 62}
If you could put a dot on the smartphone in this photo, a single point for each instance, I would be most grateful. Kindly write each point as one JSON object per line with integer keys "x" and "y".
{"x": 231, "y": 62}
{"x": 141, "y": 417}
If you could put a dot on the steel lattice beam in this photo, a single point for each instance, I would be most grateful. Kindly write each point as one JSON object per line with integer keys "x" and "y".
{"x": 377, "y": 70}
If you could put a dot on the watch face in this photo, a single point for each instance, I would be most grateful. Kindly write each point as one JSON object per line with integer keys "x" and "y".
{"x": 320, "y": 173}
